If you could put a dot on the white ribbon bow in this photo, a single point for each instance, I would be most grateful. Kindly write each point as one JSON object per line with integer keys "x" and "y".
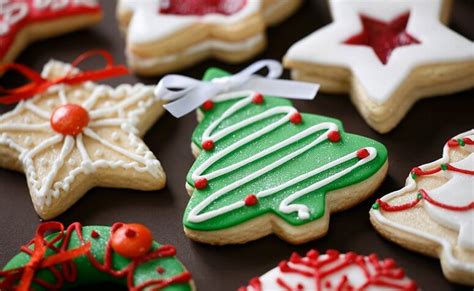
{"x": 187, "y": 93}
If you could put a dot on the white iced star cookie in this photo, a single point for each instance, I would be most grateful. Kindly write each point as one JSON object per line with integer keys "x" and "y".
{"x": 72, "y": 138}
{"x": 387, "y": 55}
{"x": 434, "y": 213}
{"x": 166, "y": 35}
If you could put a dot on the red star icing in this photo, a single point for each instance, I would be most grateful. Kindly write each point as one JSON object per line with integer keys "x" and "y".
{"x": 15, "y": 15}
{"x": 202, "y": 7}
{"x": 383, "y": 37}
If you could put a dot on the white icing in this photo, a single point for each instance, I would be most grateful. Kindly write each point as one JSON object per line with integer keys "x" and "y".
{"x": 148, "y": 25}
{"x": 458, "y": 191}
{"x": 356, "y": 277}
{"x": 133, "y": 102}
{"x": 439, "y": 44}
{"x": 197, "y": 214}
{"x": 411, "y": 185}
{"x": 14, "y": 12}
{"x": 245, "y": 45}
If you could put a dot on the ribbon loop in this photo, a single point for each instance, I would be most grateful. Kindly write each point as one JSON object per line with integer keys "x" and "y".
{"x": 187, "y": 94}
{"x": 39, "y": 84}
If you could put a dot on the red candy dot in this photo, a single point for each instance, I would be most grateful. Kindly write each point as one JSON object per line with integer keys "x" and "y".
{"x": 208, "y": 105}
{"x": 132, "y": 240}
{"x": 257, "y": 98}
{"x": 95, "y": 234}
{"x": 251, "y": 200}
{"x": 208, "y": 145}
{"x": 160, "y": 270}
{"x": 296, "y": 118}
{"x": 334, "y": 136}
{"x": 69, "y": 119}
{"x": 362, "y": 153}
{"x": 200, "y": 183}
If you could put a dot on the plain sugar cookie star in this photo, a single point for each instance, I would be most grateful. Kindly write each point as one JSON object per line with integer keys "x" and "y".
{"x": 434, "y": 213}
{"x": 24, "y": 21}
{"x": 387, "y": 54}
{"x": 163, "y": 36}
{"x": 74, "y": 137}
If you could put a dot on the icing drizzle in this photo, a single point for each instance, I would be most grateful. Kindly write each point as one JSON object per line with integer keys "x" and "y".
{"x": 201, "y": 175}
{"x": 68, "y": 271}
{"x": 332, "y": 271}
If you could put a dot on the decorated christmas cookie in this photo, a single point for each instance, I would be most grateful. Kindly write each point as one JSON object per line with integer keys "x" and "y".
{"x": 434, "y": 213}
{"x": 166, "y": 35}
{"x": 24, "y": 21}
{"x": 75, "y": 134}
{"x": 124, "y": 254}
{"x": 333, "y": 271}
{"x": 387, "y": 54}
{"x": 264, "y": 167}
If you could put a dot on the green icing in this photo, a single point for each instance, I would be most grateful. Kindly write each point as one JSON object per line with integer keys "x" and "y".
{"x": 87, "y": 274}
{"x": 310, "y": 160}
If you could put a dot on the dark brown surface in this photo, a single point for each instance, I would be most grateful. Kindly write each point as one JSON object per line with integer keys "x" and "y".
{"x": 417, "y": 139}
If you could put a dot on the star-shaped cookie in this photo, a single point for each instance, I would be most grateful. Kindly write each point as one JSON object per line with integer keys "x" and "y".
{"x": 434, "y": 213}
{"x": 166, "y": 35}
{"x": 24, "y": 21}
{"x": 72, "y": 138}
{"x": 387, "y": 55}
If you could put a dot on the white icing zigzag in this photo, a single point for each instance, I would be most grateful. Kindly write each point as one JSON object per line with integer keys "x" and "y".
{"x": 197, "y": 214}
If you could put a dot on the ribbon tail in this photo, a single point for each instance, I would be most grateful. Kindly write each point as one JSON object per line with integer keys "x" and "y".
{"x": 282, "y": 88}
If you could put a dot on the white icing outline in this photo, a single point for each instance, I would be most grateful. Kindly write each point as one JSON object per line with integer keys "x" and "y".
{"x": 286, "y": 207}
{"x": 325, "y": 46}
{"x": 142, "y": 161}
{"x": 411, "y": 185}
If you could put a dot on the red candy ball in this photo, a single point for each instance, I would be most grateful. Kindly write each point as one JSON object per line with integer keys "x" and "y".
{"x": 69, "y": 119}
{"x": 208, "y": 105}
{"x": 257, "y": 98}
{"x": 132, "y": 240}
{"x": 251, "y": 200}
{"x": 296, "y": 118}
{"x": 362, "y": 153}
{"x": 200, "y": 183}
{"x": 208, "y": 145}
{"x": 334, "y": 136}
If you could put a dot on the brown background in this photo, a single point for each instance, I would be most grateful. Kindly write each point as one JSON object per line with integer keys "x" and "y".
{"x": 417, "y": 139}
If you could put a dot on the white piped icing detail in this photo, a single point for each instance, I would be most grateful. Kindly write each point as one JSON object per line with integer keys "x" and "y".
{"x": 132, "y": 103}
{"x": 198, "y": 215}
{"x": 411, "y": 185}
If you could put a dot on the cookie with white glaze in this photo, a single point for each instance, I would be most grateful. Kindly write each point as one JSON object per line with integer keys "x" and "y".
{"x": 333, "y": 271}
{"x": 263, "y": 167}
{"x": 386, "y": 55}
{"x": 163, "y": 36}
{"x": 434, "y": 213}
{"x": 25, "y": 21}
{"x": 71, "y": 138}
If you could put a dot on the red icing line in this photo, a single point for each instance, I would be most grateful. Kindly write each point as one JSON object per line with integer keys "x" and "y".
{"x": 68, "y": 271}
{"x": 383, "y": 37}
{"x": 202, "y": 7}
{"x": 419, "y": 172}
{"x": 35, "y": 15}
{"x": 385, "y": 274}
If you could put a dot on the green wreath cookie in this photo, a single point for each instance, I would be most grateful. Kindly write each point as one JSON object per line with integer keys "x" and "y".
{"x": 123, "y": 254}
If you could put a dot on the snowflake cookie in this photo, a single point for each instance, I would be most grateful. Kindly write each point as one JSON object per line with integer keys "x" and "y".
{"x": 74, "y": 137}
{"x": 333, "y": 271}
{"x": 434, "y": 213}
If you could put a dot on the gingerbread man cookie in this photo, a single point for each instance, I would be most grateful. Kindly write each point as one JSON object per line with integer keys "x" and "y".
{"x": 70, "y": 138}
{"x": 387, "y": 55}
{"x": 333, "y": 271}
{"x": 24, "y": 21}
{"x": 263, "y": 167}
{"x": 434, "y": 213}
{"x": 166, "y": 35}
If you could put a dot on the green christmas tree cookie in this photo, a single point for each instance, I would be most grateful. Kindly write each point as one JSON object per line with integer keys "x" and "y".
{"x": 263, "y": 167}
